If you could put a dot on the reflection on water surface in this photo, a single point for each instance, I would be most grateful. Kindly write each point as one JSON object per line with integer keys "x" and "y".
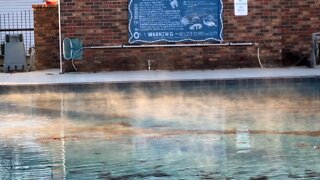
{"x": 197, "y": 133}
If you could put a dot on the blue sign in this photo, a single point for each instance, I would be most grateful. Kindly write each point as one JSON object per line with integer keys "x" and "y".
{"x": 175, "y": 20}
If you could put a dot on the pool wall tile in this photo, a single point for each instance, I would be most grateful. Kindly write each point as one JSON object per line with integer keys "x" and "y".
{"x": 220, "y": 84}
{"x": 243, "y": 83}
{"x": 163, "y": 85}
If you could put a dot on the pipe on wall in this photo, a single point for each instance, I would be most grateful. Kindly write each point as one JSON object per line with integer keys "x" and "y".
{"x": 168, "y": 45}
{"x": 165, "y": 45}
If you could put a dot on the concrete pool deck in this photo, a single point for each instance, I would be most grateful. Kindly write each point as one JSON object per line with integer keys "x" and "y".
{"x": 53, "y": 76}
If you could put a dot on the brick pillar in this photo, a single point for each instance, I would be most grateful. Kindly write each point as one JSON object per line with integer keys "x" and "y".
{"x": 46, "y": 30}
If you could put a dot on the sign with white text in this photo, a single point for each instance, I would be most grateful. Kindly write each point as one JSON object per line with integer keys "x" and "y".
{"x": 241, "y": 7}
{"x": 175, "y": 20}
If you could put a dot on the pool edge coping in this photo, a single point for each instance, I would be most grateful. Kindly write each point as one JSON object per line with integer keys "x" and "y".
{"x": 132, "y": 82}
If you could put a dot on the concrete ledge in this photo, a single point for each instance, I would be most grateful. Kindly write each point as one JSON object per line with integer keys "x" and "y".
{"x": 53, "y": 76}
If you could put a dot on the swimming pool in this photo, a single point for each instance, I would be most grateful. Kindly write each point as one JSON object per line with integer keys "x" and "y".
{"x": 232, "y": 129}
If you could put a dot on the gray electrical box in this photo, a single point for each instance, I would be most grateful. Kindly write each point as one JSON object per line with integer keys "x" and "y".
{"x": 315, "y": 49}
{"x": 14, "y": 54}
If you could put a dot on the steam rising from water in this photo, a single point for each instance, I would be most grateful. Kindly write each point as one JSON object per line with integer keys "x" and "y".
{"x": 142, "y": 112}
{"x": 184, "y": 130}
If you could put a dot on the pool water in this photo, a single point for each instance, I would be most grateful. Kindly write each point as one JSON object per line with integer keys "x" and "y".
{"x": 201, "y": 132}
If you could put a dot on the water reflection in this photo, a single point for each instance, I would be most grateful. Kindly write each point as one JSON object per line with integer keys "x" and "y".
{"x": 199, "y": 134}
{"x": 243, "y": 139}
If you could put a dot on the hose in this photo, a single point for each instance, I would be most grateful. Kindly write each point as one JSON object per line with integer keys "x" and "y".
{"x": 258, "y": 55}
{"x": 74, "y": 65}
{"x": 72, "y": 59}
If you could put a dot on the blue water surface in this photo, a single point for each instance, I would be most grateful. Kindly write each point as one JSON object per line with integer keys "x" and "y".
{"x": 200, "y": 132}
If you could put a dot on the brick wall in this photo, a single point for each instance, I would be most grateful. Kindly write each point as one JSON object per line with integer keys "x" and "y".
{"x": 299, "y": 20}
{"x": 46, "y": 27}
{"x": 278, "y": 26}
